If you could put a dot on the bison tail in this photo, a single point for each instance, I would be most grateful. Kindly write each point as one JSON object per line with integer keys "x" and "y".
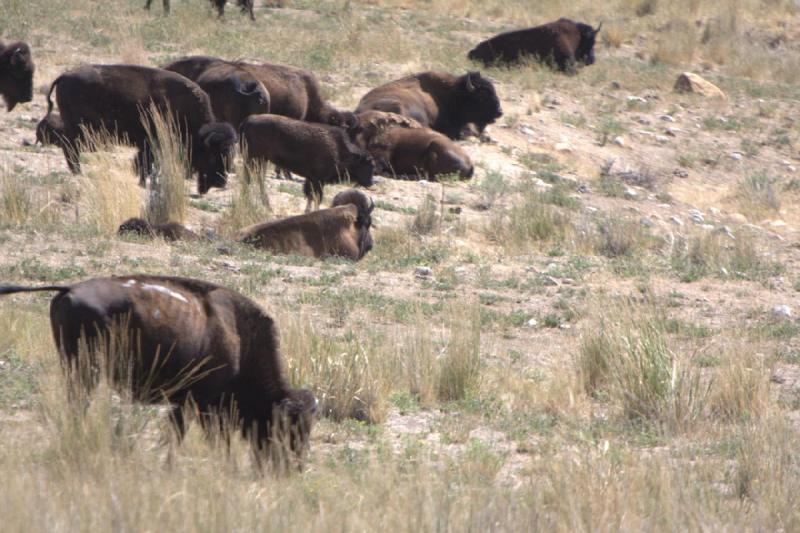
{"x": 50, "y": 94}
{"x": 12, "y": 289}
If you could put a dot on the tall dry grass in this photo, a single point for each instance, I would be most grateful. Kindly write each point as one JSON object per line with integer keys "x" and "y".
{"x": 167, "y": 192}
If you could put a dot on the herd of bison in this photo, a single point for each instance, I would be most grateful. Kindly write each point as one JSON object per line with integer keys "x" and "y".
{"x": 204, "y": 344}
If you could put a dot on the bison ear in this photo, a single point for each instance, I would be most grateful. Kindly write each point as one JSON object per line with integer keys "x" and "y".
{"x": 472, "y": 78}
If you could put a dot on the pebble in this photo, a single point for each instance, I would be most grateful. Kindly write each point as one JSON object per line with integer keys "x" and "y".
{"x": 782, "y": 311}
{"x": 680, "y": 173}
{"x": 662, "y": 138}
{"x": 619, "y": 141}
{"x": 527, "y": 131}
{"x": 532, "y": 323}
{"x": 667, "y": 118}
{"x": 423, "y": 272}
{"x": 697, "y": 216}
{"x": 725, "y": 230}
{"x": 630, "y": 193}
{"x": 549, "y": 281}
{"x": 675, "y": 220}
{"x": 646, "y": 222}
{"x": 424, "y": 183}
{"x": 777, "y": 223}
{"x": 591, "y": 210}
{"x": 637, "y": 99}
{"x": 736, "y": 156}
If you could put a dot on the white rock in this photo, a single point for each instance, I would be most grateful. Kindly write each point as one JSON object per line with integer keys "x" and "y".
{"x": 662, "y": 139}
{"x": 675, "y": 220}
{"x": 591, "y": 210}
{"x": 532, "y": 323}
{"x": 424, "y": 183}
{"x": 619, "y": 141}
{"x": 782, "y": 311}
{"x": 630, "y": 193}
{"x": 563, "y": 147}
{"x": 714, "y": 211}
{"x": 667, "y": 118}
{"x": 777, "y": 223}
{"x": 697, "y": 216}
{"x": 736, "y": 156}
{"x": 636, "y": 99}
{"x": 527, "y": 131}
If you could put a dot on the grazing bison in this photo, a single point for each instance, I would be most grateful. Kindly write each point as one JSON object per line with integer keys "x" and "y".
{"x": 293, "y": 92}
{"x": 171, "y": 231}
{"x": 342, "y": 231}
{"x": 189, "y": 341}
{"x": 115, "y": 97}
{"x": 563, "y": 42}
{"x": 437, "y": 100}
{"x": 420, "y": 152}
{"x": 16, "y": 74}
{"x": 318, "y": 152}
{"x": 50, "y": 131}
{"x": 245, "y": 5}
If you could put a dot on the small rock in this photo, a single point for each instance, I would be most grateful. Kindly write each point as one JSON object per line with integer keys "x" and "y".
{"x": 563, "y": 147}
{"x": 697, "y": 216}
{"x": 723, "y": 271}
{"x": 646, "y": 222}
{"x": 662, "y": 139}
{"x": 591, "y": 210}
{"x": 791, "y": 168}
{"x": 616, "y": 85}
{"x": 564, "y": 326}
{"x": 736, "y": 156}
{"x": 423, "y": 272}
{"x": 783, "y": 311}
{"x": 725, "y": 230}
{"x": 644, "y": 121}
{"x": 680, "y": 173}
{"x": 675, "y": 220}
{"x": 532, "y": 323}
{"x": 619, "y": 141}
{"x": 582, "y": 188}
{"x": 424, "y": 183}
{"x": 636, "y": 99}
{"x": 714, "y": 211}
{"x": 777, "y": 224}
{"x": 630, "y": 193}
{"x": 667, "y": 118}
{"x": 688, "y": 82}
{"x": 527, "y": 131}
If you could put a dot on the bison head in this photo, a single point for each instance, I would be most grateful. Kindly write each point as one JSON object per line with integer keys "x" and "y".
{"x": 365, "y": 206}
{"x": 138, "y": 226}
{"x": 585, "y": 51}
{"x": 447, "y": 158}
{"x": 50, "y": 130}
{"x": 255, "y": 97}
{"x": 297, "y": 414}
{"x": 483, "y": 53}
{"x": 361, "y": 166}
{"x": 16, "y": 74}
{"x": 211, "y": 153}
{"x": 476, "y": 101}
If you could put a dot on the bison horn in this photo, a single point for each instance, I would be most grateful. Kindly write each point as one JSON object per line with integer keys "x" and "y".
{"x": 597, "y": 30}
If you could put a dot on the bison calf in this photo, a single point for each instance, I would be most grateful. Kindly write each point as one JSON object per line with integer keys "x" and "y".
{"x": 16, "y": 74}
{"x": 342, "y": 231}
{"x": 171, "y": 231}
{"x": 440, "y": 101}
{"x": 318, "y": 152}
{"x": 563, "y": 42}
{"x": 187, "y": 342}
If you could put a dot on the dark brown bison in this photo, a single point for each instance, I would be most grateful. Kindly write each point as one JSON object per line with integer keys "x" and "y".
{"x": 341, "y": 231}
{"x": 318, "y": 152}
{"x": 293, "y": 92}
{"x": 114, "y": 98}
{"x": 443, "y": 102}
{"x": 235, "y": 93}
{"x": 187, "y": 340}
{"x": 171, "y": 231}
{"x": 420, "y": 153}
{"x": 16, "y": 74}
{"x": 245, "y": 5}
{"x": 50, "y": 131}
{"x": 563, "y": 43}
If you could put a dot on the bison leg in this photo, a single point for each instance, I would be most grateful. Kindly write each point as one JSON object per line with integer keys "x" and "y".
{"x": 73, "y": 157}
{"x": 220, "y": 5}
{"x": 313, "y": 192}
{"x": 166, "y": 7}
{"x": 143, "y": 164}
{"x": 247, "y": 7}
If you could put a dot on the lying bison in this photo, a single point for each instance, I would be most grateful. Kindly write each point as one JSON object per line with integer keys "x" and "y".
{"x": 563, "y": 42}
{"x": 189, "y": 341}
{"x": 115, "y": 98}
{"x": 320, "y": 153}
{"x": 245, "y": 5}
{"x": 170, "y": 231}
{"x": 293, "y": 92}
{"x": 16, "y": 74}
{"x": 440, "y": 101}
{"x": 341, "y": 231}
{"x": 234, "y": 92}
{"x": 420, "y": 153}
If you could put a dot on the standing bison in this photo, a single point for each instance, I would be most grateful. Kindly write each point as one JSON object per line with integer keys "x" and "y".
{"x": 443, "y": 102}
{"x": 562, "y": 43}
{"x": 341, "y": 231}
{"x": 116, "y": 98}
{"x": 245, "y": 5}
{"x": 183, "y": 340}
{"x": 234, "y": 92}
{"x": 320, "y": 153}
{"x": 16, "y": 74}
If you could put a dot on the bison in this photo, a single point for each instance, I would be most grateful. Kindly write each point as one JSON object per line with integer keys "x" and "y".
{"x": 562, "y": 42}
{"x": 318, "y": 152}
{"x": 115, "y": 98}
{"x": 170, "y": 231}
{"x": 16, "y": 74}
{"x": 50, "y": 131}
{"x": 234, "y": 92}
{"x": 420, "y": 152}
{"x": 443, "y": 102}
{"x": 293, "y": 92}
{"x": 184, "y": 341}
{"x": 245, "y": 5}
{"x": 341, "y": 231}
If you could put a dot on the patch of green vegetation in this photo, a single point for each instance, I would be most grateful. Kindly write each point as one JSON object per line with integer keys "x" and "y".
{"x": 204, "y": 205}
{"x": 32, "y": 269}
{"x": 17, "y": 380}
{"x": 386, "y": 206}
